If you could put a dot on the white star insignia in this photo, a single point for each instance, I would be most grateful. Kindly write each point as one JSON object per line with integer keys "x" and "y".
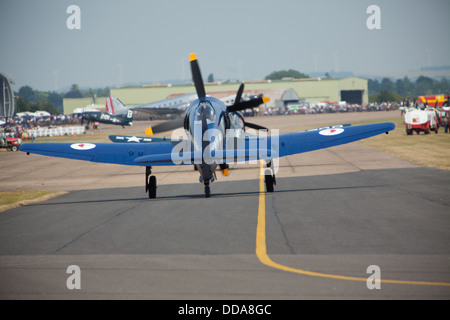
{"x": 133, "y": 139}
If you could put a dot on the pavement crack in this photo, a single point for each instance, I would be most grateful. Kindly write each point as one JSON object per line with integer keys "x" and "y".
{"x": 283, "y": 231}
{"x": 96, "y": 227}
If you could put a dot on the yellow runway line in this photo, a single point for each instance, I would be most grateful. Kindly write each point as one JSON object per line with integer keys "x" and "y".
{"x": 261, "y": 249}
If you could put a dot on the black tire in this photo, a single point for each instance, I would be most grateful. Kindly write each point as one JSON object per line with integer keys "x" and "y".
{"x": 207, "y": 191}
{"x": 269, "y": 183}
{"x": 14, "y": 148}
{"x": 152, "y": 187}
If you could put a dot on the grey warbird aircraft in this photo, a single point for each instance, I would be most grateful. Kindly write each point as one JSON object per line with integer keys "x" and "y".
{"x": 213, "y": 139}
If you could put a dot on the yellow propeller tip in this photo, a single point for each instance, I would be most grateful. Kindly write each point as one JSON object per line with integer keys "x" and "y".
{"x": 266, "y": 99}
{"x": 149, "y": 131}
{"x": 225, "y": 172}
{"x": 192, "y": 57}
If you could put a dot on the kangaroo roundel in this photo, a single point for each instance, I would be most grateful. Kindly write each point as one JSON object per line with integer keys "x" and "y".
{"x": 83, "y": 146}
{"x": 331, "y": 132}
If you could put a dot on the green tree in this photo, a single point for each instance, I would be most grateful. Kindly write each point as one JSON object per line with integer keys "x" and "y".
{"x": 385, "y": 96}
{"x": 443, "y": 86}
{"x": 387, "y": 85}
{"x": 44, "y": 105}
{"x": 29, "y": 94}
{"x": 74, "y": 92}
{"x": 211, "y": 78}
{"x": 22, "y": 105}
{"x": 409, "y": 87}
{"x": 278, "y": 75}
{"x": 373, "y": 86}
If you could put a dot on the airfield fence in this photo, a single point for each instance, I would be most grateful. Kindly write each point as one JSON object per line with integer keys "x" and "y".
{"x": 56, "y": 131}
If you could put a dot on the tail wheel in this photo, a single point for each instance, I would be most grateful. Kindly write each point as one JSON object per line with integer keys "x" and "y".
{"x": 152, "y": 187}
{"x": 269, "y": 182}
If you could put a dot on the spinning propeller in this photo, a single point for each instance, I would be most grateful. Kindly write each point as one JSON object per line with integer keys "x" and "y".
{"x": 238, "y": 104}
{"x": 201, "y": 93}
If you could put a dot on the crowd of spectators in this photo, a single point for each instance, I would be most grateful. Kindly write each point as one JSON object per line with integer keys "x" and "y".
{"x": 19, "y": 127}
{"x": 326, "y": 107}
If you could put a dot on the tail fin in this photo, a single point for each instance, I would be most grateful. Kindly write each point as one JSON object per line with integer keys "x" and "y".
{"x": 115, "y": 106}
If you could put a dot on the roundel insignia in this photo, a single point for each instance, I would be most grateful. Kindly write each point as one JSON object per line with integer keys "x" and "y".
{"x": 83, "y": 146}
{"x": 331, "y": 132}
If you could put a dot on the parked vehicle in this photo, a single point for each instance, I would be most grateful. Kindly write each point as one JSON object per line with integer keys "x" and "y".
{"x": 11, "y": 144}
{"x": 420, "y": 121}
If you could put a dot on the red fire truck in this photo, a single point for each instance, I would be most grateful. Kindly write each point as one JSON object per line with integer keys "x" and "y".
{"x": 435, "y": 101}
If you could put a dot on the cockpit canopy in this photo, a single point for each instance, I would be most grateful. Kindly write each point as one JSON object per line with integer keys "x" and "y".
{"x": 215, "y": 115}
{"x": 208, "y": 111}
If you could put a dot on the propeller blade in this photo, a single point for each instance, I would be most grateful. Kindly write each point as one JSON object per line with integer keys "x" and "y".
{"x": 239, "y": 94}
{"x": 255, "y": 126}
{"x": 197, "y": 76}
{"x": 248, "y": 104}
{"x": 166, "y": 126}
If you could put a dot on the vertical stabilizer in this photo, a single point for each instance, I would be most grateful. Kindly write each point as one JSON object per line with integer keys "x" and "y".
{"x": 115, "y": 106}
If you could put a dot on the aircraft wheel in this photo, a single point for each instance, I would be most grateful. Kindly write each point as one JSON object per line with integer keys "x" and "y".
{"x": 207, "y": 191}
{"x": 269, "y": 182}
{"x": 152, "y": 187}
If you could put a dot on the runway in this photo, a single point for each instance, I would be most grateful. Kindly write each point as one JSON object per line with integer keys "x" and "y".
{"x": 184, "y": 246}
{"x": 334, "y": 213}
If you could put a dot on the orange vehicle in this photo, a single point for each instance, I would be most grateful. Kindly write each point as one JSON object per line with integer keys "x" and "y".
{"x": 435, "y": 101}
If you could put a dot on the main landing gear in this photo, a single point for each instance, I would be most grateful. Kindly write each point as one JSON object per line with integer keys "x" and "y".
{"x": 150, "y": 183}
{"x": 269, "y": 177}
{"x": 207, "y": 189}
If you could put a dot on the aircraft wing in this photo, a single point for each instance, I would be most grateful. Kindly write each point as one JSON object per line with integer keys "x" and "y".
{"x": 258, "y": 148}
{"x": 114, "y": 153}
{"x": 174, "y": 106}
{"x": 304, "y": 141}
{"x": 168, "y": 153}
{"x": 266, "y": 148}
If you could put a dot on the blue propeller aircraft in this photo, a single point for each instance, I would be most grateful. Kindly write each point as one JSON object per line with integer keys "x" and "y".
{"x": 209, "y": 145}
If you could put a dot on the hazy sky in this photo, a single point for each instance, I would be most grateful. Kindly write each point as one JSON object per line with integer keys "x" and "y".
{"x": 136, "y": 41}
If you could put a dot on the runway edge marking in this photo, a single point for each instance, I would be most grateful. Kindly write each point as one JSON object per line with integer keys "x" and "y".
{"x": 261, "y": 248}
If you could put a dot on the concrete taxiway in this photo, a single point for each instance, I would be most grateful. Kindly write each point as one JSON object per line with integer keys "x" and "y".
{"x": 334, "y": 213}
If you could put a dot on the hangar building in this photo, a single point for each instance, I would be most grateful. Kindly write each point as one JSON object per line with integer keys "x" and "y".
{"x": 353, "y": 90}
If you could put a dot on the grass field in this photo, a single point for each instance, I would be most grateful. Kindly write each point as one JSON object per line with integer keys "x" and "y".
{"x": 12, "y": 199}
{"x": 431, "y": 150}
